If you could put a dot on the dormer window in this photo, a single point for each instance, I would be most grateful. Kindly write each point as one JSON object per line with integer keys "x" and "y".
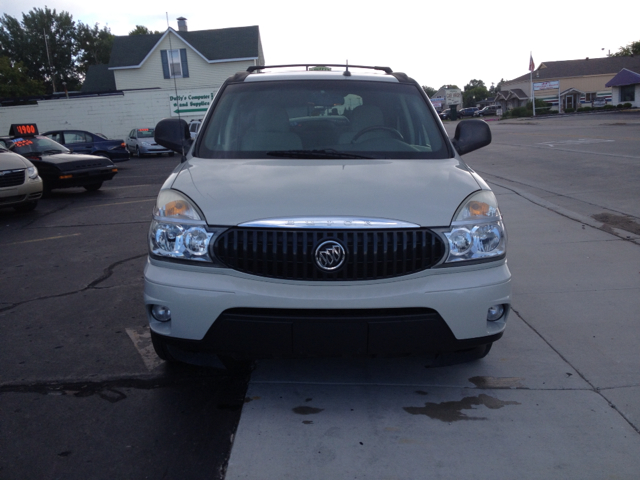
{"x": 174, "y": 63}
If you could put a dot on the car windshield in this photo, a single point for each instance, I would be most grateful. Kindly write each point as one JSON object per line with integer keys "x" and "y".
{"x": 321, "y": 119}
{"x": 145, "y": 132}
{"x": 37, "y": 144}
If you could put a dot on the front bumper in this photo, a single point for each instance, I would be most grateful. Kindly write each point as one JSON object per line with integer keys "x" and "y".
{"x": 223, "y": 311}
{"x": 79, "y": 178}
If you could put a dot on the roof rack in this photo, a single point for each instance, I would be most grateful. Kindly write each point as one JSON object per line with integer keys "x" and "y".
{"x": 253, "y": 68}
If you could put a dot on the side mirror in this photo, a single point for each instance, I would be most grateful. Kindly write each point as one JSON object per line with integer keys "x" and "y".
{"x": 173, "y": 133}
{"x": 471, "y": 135}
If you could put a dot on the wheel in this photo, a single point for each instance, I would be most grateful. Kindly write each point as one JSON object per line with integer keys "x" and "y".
{"x": 137, "y": 152}
{"x": 395, "y": 133}
{"x": 92, "y": 187}
{"x": 25, "y": 207}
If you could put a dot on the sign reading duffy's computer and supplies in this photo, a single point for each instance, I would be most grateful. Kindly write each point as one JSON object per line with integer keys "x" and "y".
{"x": 190, "y": 103}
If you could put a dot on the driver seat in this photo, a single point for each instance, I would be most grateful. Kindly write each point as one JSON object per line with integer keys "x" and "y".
{"x": 364, "y": 116}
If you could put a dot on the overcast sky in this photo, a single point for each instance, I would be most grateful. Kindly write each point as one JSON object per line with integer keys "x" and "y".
{"x": 435, "y": 43}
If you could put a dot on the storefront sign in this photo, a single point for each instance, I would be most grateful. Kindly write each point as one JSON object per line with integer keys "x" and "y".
{"x": 546, "y": 85}
{"x": 190, "y": 103}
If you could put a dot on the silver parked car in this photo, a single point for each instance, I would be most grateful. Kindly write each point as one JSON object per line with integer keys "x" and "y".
{"x": 140, "y": 142}
{"x": 324, "y": 213}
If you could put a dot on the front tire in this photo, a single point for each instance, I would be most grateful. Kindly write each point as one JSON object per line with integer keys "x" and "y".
{"x": 93, "y": 187}
{"x": 137, "y": 152}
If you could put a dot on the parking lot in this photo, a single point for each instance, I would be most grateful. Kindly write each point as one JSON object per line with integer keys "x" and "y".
{"x": 82, "y": 395}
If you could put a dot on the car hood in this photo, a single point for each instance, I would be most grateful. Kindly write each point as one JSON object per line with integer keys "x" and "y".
{"x": 10, "y": 161}
{"x": 230, "y": 192}
{"x": 77, "y": 160}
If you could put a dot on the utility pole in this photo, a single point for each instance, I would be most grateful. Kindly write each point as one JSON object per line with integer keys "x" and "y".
{"x": 46, "y": 44}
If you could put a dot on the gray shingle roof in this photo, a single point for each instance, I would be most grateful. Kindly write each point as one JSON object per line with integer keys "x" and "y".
{"x": 214, "y": 45}
{"x": 579, "y": 68}
{"x": 99, "y": 79}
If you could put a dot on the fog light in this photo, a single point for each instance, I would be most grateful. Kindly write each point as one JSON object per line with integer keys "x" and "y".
{"x": 495, "y": 313}
{"x": 161, "y": 313}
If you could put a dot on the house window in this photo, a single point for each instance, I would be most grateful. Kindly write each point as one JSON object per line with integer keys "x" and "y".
{"x": 628, "y": 93}
{"x": 590, "y": 97}
{"x": 174, "y": 63}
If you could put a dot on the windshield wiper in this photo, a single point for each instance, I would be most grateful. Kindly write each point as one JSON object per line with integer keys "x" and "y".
{"x": 324, "y": 153}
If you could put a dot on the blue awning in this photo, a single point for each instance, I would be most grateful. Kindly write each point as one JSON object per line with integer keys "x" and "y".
{"x": 624, "y": 77}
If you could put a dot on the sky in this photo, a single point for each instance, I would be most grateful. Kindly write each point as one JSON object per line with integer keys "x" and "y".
{"x": 435, "y": 43}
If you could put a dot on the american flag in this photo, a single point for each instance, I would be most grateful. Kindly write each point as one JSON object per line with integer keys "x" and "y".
{"x": 532, "y": 66}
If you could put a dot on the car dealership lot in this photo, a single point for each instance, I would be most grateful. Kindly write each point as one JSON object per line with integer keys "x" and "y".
{"x": 556, "y": 398}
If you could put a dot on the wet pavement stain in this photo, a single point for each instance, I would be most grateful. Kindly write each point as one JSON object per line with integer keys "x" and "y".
{"x": 452, "y": 411}
{"x": 304, "y": 410}
{"x": 497, "y": 382}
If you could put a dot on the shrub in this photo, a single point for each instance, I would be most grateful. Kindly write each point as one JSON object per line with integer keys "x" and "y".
{"x": 608, "y": 107}
{"x": 569, "y": 110}
{"x": 520, "y": 112}
{"x": 627, "y": 105}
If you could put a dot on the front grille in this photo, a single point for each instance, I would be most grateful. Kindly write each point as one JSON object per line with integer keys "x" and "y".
{"x": 99, "y": 162}
{"x": 290, "y": 254}
{"x": 12, "y": 178}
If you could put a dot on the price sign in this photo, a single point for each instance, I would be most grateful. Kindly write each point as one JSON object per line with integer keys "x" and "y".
{"x": 23, "y": 129}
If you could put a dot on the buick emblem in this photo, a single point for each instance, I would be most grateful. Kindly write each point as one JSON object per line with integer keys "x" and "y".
{"x": 330, "y": 255}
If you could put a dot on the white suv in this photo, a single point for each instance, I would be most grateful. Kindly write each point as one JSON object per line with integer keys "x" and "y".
{"x": 324, "y": 212}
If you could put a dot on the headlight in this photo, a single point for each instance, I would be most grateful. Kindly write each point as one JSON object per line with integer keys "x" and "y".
{"x": 146, "y": 144}
{"x": 178, "y": 230}
{"x": 477, "y": 231}
{"x": 32, "y": 172}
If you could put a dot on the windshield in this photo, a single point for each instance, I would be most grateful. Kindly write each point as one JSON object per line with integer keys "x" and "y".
{"x": 146, "y": 132}
{"x": 37, "y": 144}
{"x": 329, "y": 118}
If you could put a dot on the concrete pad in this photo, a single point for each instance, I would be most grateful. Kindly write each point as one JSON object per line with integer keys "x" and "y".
{"x": 521, "y": 359}
{"x": 404, "y": 432}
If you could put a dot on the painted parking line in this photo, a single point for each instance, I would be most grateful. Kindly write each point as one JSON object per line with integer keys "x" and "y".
{"x": 40, "y": 239}
{"x": 141, "y": 338}
{"x": 579, "y": 141}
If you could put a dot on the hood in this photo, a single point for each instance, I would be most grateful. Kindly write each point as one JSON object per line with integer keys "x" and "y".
{"x": 10, "y": 161}
{"x": 73, "y": 161}
{"x": 230, "y": 192}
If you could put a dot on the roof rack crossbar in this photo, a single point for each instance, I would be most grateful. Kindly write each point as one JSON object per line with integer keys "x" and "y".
{"x": 253, "y": 68}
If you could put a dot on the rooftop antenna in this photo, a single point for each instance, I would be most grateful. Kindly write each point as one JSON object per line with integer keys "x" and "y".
{"x": 347, "y": 73}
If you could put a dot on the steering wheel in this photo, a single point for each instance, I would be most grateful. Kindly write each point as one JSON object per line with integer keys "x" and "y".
{"x": 394, "y": 133}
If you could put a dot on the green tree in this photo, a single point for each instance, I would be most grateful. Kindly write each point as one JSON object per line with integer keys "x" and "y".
{"x": 44, "y": 42}
{"x": 94, "y": 45}
{"x": 632, "y": 49}
{"x": 430, "y": 91}
{"x": 142, "y": 30}
{"x": 15, "y": 82}
{"x": 474, "y": 91}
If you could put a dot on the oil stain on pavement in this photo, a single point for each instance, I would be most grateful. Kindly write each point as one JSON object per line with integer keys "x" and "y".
{"x": 452, "y": 411}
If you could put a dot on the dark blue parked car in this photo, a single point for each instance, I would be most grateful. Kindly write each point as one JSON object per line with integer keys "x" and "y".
{"x": 80, "y": 141}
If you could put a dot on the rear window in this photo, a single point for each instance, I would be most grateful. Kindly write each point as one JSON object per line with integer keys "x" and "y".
{"x": 359, "y": 118}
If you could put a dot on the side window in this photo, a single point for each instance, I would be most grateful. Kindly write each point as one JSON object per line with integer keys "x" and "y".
{"x": 74, "y": 137}
{"x": 57, "y": 137}
{"x": 174, "y": 63}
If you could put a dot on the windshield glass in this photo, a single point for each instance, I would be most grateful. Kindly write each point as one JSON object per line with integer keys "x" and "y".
{"x": 37, "y": 145}
{"x": 331, "y": 119}
{"x": 146, "y": 132}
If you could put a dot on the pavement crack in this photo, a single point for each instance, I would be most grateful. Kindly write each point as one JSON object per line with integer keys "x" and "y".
{"x": 107, "y": 272}
{"x": 593, "y": 388}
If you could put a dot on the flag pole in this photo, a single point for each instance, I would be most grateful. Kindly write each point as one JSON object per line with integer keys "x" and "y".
{"x": 533, "y": 95}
